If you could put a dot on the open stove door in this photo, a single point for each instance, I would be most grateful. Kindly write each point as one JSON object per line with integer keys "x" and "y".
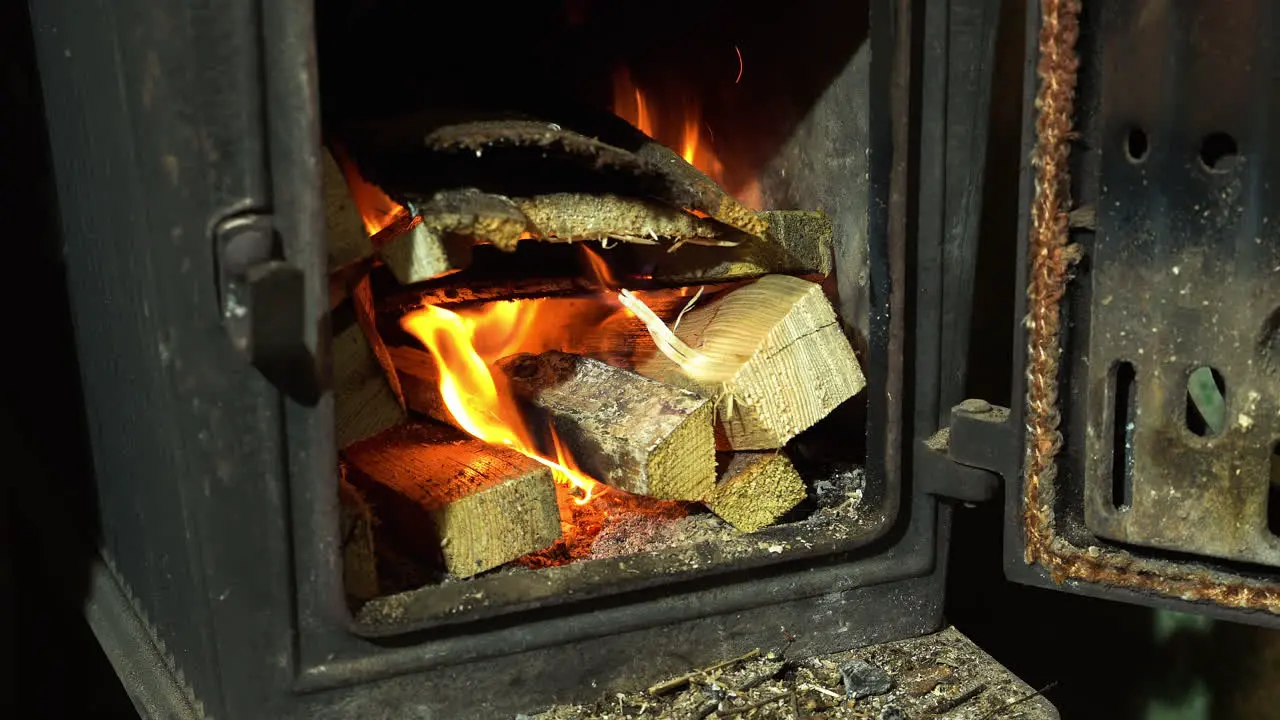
{"x": 1141, "y": 455}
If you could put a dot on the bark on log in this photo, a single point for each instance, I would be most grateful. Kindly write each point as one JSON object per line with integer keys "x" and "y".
{"x": 797, "y": 243}
{"x": 755, "y": 489}
{"x": 618, "y": 427}
{"x": 569, "y": 217}
{"x": 471, "y": 505}
{"x": 415, "y": 157}
{"x": 779, "y": 361}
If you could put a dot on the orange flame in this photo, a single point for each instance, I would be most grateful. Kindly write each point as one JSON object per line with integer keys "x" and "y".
{"x": 600, "y": 271}
{"x": 465, "y": 345}
{"x": 377, "y": 209}
{"x": 633, "y": 105}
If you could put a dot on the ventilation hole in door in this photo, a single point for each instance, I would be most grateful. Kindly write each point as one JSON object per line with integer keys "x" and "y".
{"x": 1206, "y": 402}
{"x": 1135, "y": 145}
{"x": 1124, "y": 415}
{"x": 1273, "y": 495}
{"x": 1219, "y": 152}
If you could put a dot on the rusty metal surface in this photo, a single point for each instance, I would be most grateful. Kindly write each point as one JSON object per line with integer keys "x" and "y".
{"x": 1184, "y": 273}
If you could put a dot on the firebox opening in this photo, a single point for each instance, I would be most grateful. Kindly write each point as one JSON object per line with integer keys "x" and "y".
{"x": 598, "y": 306}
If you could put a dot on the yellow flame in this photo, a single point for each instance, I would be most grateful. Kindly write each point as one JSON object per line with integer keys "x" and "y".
{"x": 464, "y": 348}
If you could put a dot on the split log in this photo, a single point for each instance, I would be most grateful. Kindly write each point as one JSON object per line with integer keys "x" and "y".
{"x": 755, "y": 489}
{"x": 345, "y": 233}
{"x": 367, "y": 395}
{"x": 771, "y": 353}
{"x": 570, "y": 217}
{"x": 415, "y": 157}
{"x": 797, "y": 243}
{"x": 424, "y": 252}
{"x": 359, "y": 559}
{"x": 452, "y": 498}
{"x": 618, "y": 427}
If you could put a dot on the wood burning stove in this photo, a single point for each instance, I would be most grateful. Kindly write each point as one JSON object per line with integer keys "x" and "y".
{"x": 259, "y": 552}
{"x": 229, "y": 510}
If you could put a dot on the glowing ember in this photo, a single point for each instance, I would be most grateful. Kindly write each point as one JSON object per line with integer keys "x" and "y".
{"x": 465, "y": 345}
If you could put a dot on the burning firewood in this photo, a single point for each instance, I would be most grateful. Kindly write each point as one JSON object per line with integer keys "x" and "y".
{"x": 579, "y": 216}
{"x": 367, "y": 396}
{"x": 755, "y": 489}
{"x": 771, "y": 354}
{"x": 415, "y": 157}
{"x": 472, "y": 505}
{"x": 345, "y": 233}
{"x": 797, "y": 243}
{"x": 438, "y": 240}
{"x": 618, "y": 427}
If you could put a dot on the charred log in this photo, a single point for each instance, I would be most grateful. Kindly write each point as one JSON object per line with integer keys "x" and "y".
{"x": 414, "y": 158}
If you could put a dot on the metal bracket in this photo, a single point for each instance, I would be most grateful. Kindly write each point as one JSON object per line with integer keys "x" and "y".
{"x": 966, "y": 460}
{"x": 262, "y": 303}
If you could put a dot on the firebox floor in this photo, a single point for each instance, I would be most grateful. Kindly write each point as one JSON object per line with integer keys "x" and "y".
{"x": 944, "y": 675}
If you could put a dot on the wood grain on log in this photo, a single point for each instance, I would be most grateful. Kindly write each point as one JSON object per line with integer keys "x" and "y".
{"x": 784, "y": 363}
{"x": 473, "y": 505}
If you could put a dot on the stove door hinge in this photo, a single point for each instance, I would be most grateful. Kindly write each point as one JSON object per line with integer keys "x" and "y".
{"x": 966, "y": 460}
{"x": 262, "y": 300}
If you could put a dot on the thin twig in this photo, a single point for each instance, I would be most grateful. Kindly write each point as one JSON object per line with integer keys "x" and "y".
{"x": 667, "y": 686}
{"x": 824, "y": 691}
{"x": 951, "y": 703}
{"x": 1018, "y": 701}
{"x": 752, "y": 706}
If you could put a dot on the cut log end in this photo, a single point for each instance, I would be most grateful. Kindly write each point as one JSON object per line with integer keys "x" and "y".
{"x": 473, "y": 505}
{"x": 755, "y": 489}
{"x": 781, "y": 361}
{"x": 423, "y": 253}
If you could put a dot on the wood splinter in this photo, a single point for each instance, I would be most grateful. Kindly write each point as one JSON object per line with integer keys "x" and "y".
{"x": 771, "y": 353}
{"x": 445, "y": 495}
{"x": 755, "y": 489}
{"x": 367, "y": 395}
{"x": 620, "y": 428}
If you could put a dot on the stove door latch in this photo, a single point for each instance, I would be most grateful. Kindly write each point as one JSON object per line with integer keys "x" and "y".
{"x": 262, "y": 300}
{"x": 966, "y": 460}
